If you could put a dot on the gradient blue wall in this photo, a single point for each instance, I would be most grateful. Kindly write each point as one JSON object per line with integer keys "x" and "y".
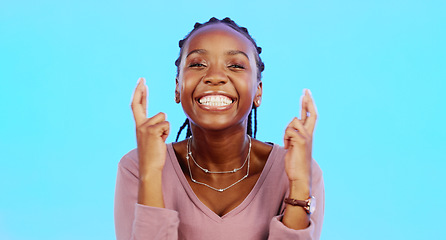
{"x": 377, "y": 70}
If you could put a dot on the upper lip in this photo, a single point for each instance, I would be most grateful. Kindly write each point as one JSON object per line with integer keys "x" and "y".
{"x": 209, "y": 93}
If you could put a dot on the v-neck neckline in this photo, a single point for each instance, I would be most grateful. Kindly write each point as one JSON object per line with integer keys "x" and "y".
{"x": 205, "y": 209}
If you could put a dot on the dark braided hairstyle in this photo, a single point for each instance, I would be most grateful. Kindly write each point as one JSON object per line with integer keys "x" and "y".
{"x": 260, "y": 67}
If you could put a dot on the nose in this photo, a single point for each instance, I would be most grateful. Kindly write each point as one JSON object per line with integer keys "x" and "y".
{"x": 215, "y": 76}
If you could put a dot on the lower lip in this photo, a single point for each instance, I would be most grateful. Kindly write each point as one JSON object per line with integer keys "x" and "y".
{"x": 215, "y": 108}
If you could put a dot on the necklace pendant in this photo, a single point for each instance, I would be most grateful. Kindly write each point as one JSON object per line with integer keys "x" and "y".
{"x": 235, "y": 170}
{"x": 206, "y": 171}
{"x": 220, "y": 190}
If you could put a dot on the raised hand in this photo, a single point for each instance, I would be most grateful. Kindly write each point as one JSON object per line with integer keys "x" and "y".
{"x": 298, "y": 140}
{"x": 151, "y": 133}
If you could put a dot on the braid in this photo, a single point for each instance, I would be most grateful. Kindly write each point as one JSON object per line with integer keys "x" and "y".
{"x": 186, "y": 123}
{"x": 249, "y": 127}
{"x": 255, "y": 121}
{"x": 188, "y": 132}
{"x": 229, "y": 22}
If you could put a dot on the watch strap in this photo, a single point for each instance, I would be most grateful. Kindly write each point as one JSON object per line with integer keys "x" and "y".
{"x": 305, "y": 204}
{"x": 295, "y": 202}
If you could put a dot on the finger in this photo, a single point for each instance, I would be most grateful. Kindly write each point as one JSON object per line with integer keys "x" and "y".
{"x": 297, "y": 125}
{"x": 303, "y": 113}
{"x": 160, "y": 129}
{"x": 310, "y": 123}
{"x": 292, "y": 137}
{"x": 294, "y": 129}
{"x": 159, "y": 117}
{"x": 166, "y": 132}
{"x": 163, "y": 129}
{"x": 145, "y": 95}
{"x": 139, "y": 102}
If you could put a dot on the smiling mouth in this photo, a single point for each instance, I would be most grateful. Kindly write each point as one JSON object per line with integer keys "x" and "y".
{"x": 215, "y": 101}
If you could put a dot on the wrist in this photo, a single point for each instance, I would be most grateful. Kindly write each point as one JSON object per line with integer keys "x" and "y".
{"x": 309, "y": 204}
{"x": 150, "y": 175}
{"x": 150, "y": 191}
{"x": 300, "y": 189}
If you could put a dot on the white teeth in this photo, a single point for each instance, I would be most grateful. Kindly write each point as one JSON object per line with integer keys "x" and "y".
{"x": 215, "y": 100}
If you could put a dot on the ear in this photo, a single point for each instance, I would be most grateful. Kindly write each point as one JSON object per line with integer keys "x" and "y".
{"x": 258, "y": 96}
{"x": 177, "y": 91}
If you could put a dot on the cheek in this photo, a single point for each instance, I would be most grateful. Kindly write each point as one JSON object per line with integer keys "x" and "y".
{"x": 251, "y": 83}
{"x": 182, "y": 79}
{"x": 247, "y": 90}
{"x": 187, "y": 84}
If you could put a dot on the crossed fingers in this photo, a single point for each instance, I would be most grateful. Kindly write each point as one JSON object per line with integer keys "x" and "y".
{"x": 308, "y": 112}
{"x": 301, "y": 131}
{"x": 156, "y": 125}
{"x": 139, "y": 102}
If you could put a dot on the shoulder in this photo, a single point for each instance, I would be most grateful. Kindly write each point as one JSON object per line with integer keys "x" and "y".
{"x": 277, "y": 153}
{"x": 316, "y": 170}
{"x": 129, "y": 164}
{"x": 273, "y": 152}
{"x": 261, "y": 150}
{"x": 129, "y": 159}
{"x": 179, "y": 148}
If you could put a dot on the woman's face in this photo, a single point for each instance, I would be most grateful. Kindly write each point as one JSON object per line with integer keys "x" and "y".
{"x": 217, "y": 82}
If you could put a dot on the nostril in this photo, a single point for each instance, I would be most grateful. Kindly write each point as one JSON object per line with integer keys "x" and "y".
{"x": 215, "y": 80}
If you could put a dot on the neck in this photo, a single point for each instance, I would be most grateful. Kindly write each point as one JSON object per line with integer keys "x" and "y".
{"x": 219, "y": 150}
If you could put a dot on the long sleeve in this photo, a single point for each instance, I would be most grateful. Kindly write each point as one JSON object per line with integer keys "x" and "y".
{"x": 313, "y": 232}
{"x": 186, "y": 217}
{"x": 134, "y": 221}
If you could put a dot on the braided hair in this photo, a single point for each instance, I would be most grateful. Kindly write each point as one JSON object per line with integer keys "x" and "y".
{"x": 260, "y": 67}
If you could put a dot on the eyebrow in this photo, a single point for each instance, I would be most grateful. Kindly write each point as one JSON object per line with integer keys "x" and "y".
{"x": 231, "y": 52}
{"x": 235, "y": 52}
{"x": 198, "y": 51}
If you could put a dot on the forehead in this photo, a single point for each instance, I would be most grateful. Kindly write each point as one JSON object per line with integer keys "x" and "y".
{"x": 219, "y": 36}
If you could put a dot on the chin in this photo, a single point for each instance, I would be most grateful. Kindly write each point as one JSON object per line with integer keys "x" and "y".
{"x": 217, "y": 123}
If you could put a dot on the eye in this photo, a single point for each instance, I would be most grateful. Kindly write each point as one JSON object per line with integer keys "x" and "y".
{"x": 196, "y": 65}
{"x": 238, "y": 66}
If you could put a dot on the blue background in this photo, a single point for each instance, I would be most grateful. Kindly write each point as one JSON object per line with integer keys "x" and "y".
{"x": 377, "y": 70}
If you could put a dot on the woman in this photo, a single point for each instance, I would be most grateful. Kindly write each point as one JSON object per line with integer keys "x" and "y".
{"x": 219, "y": 183}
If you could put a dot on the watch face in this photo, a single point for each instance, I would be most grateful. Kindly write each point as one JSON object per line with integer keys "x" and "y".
{"x": 312, "y": 204}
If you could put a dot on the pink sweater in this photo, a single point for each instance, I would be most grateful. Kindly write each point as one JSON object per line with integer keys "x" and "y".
{"x": 186, "y": 217}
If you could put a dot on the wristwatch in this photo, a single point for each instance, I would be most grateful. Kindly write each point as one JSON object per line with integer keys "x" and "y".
{"x": 309, "y": 205}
